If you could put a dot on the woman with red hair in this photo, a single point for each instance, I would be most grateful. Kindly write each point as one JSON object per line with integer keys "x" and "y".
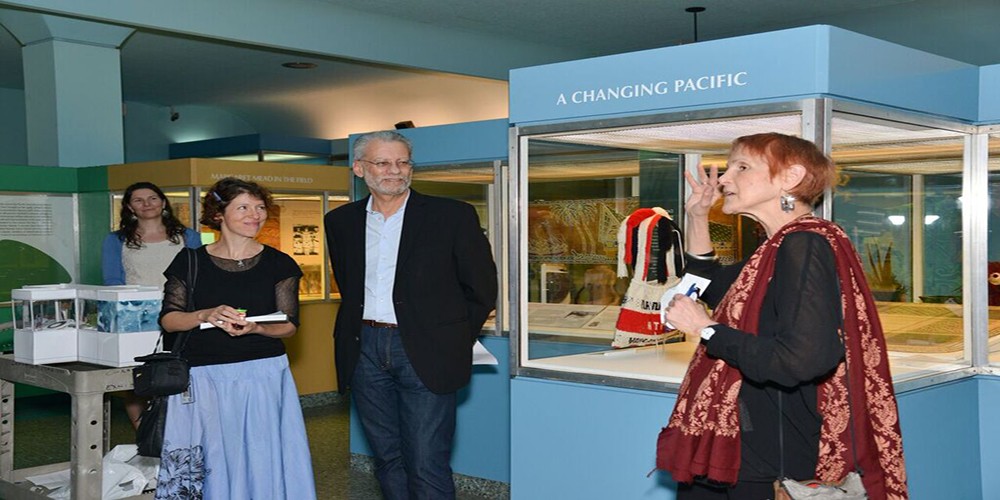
{"x": 791, "y": 378}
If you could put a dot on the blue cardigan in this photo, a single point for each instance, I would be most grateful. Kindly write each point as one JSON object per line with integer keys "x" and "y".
{"x": 111, "y": 255}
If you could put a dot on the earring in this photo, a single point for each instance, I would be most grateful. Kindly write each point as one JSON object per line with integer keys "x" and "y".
{"x": 787, "y": 202}
{"x": 165, "y": 213}
{"x": 132, "y": 216}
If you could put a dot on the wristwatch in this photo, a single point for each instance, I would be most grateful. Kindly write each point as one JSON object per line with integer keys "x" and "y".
{"x": 707, "y": 332}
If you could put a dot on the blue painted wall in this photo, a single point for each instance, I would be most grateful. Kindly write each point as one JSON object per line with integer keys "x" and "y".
{"x": 148, "y": 129}
{"x": 941, "y": 440}
{"x": 989, "y": 435}
{"x": 873, "y": 70}
{"x": 458, "y": 143}
{"x": 989, "y": 94}
{"x": 13, "y": 134}
{"x": 673, "y": 77}
{"x": 815, "y": 60}
{"x": 590, "y": 442}
{"x": 586, "y": 441}
{"x": 482, "y": 436}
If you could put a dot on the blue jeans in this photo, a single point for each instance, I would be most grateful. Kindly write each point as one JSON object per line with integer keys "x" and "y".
{"x": 409, "y": 428}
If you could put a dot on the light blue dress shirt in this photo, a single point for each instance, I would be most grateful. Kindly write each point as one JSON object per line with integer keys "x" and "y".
{"x": 381, "y": 249}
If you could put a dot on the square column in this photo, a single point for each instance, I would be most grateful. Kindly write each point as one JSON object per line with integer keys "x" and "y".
{"x": 72, "y": 89}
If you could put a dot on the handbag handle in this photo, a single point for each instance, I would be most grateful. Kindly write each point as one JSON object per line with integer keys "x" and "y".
{"x": 192, "y": 276}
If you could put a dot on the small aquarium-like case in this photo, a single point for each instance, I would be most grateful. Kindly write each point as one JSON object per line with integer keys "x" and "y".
{"x": 45, "y": 324}
{"x": 118, "y": 323}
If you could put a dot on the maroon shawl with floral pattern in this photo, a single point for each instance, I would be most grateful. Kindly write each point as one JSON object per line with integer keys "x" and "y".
{"x": 702, "y": 438}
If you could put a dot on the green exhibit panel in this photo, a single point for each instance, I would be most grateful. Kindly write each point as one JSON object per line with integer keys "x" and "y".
{"x": 51, "y": 222}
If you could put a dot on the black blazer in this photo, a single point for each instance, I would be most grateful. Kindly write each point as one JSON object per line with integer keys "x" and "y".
{"x": 444, "y": 289}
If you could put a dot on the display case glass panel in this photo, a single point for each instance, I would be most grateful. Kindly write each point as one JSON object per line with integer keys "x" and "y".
{"x": 579, "y": 187}
{"x": 473, "y": 183}
{"x": 993, "y": 247}
{"x": 295, "y": 226}
{"x": 333, "y": 201}
{"x": 899, "y": 200}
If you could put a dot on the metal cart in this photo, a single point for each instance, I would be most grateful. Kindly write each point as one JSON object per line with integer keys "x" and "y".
{"x": 89, "y": 438}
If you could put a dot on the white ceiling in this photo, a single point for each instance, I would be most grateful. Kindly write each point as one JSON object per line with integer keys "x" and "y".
{"x": 344, "y": 96}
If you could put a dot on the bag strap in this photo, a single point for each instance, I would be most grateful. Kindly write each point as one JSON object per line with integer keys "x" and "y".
{"x": 192, "y": 276}
{"x": 850, "y": 409}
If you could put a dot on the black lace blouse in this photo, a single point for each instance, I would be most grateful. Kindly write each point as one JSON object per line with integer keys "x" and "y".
{"x": 797, "y": 345}
{"x": 265, "y": 283}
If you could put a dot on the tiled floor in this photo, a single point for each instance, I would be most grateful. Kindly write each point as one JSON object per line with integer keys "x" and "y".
{"x": 42, "y": 429}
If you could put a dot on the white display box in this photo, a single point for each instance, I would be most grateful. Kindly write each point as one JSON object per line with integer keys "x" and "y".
{"x": 127, "y": 310}
{"x": 117, "y": 323}
{"x": 86, "y": 306}
{"x": 115, "y": 349}
{"x": 102, "y": 325}
{"x": 45, "y": 319}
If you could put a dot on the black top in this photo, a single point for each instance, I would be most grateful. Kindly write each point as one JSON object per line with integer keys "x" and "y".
{"x": 265, "y": 283}
{"x": 796, "y": 346}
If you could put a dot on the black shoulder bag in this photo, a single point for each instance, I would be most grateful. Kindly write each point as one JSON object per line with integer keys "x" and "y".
{"x": 161, "y": 375}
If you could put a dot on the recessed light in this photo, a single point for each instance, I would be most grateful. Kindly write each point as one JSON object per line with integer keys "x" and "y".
{"x": 299, "y": 65}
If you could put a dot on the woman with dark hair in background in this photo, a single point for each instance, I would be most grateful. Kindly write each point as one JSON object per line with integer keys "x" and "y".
{"x": 148, "y": 238}
{"x": 238, "y": 431}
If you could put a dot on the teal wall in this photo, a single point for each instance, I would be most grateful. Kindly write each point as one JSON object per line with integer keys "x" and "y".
{"x": 584, "y": 441}
{"x": 148, "y": 129}
{"x": 13, "y": 134}
{"x": 482, "y": 436}
{"x": 989, "y": 435}
{"x": 592, "y": 442}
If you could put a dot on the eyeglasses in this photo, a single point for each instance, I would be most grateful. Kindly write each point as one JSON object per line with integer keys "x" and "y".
{"x": 383, "y": 164}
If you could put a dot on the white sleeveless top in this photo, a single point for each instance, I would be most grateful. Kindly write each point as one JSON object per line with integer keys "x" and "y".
{"x": 145, "y": 266}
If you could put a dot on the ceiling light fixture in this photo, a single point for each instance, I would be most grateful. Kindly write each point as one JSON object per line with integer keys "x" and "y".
{"x": 299, "y": 65}
{"x": 694, "y": 12}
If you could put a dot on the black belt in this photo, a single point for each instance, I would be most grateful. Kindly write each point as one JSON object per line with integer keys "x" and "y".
{"x": 378, "y": 324}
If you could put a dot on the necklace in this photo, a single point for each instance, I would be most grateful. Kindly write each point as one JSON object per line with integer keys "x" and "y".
{"x": 239, "y": 263}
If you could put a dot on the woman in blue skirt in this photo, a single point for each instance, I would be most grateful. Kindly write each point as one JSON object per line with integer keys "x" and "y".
{"x": 238, "y": 430}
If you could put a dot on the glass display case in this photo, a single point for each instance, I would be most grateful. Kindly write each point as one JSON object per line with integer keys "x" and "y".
{"x": 45, "y": 320}
{"x": 475, "y": 183}
{"x": 993, "y": 242}
{"x": 899, "y": 198}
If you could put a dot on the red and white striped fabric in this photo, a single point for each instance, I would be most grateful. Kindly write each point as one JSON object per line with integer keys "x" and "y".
{"x": 639, "y": 317}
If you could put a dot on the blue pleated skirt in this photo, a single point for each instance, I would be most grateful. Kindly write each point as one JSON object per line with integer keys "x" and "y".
{"x": 239, "y": 434}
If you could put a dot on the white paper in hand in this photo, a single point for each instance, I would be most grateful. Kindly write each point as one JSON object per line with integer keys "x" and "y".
{"x": 275, "y": 317}
{"x": 691, "y": 285}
